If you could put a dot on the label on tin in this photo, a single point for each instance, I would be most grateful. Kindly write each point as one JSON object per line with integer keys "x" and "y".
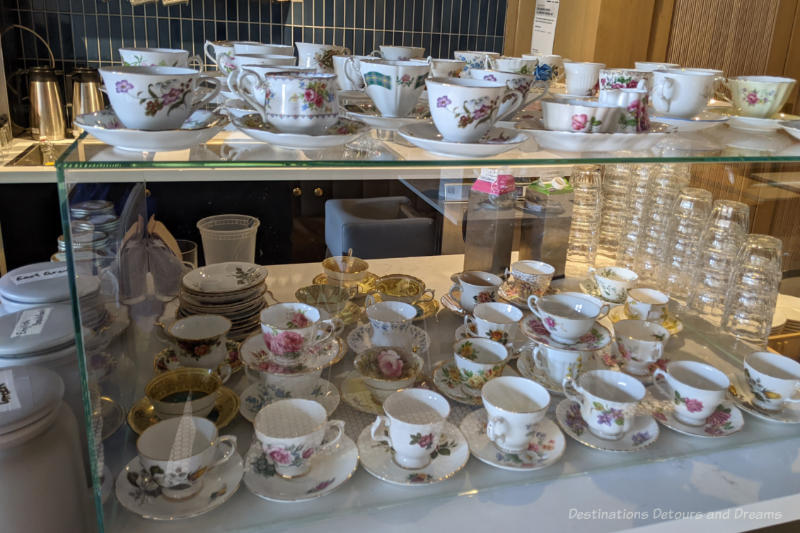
{"x": 40, "y": 275}
{"x": 9, "y": 399}
{"x": 31, "y": 322}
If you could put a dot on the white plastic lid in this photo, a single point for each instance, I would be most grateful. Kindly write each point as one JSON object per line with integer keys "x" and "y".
{"x": 27, "y": 394}
{"x": 36, "y": 331}
{"x": 36, "y": 283}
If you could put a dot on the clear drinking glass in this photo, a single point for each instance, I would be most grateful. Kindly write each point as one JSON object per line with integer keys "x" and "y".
{"x": 586, "y": 210}
{"x": 617, "y": 180}
{"x": 635, "y": 209}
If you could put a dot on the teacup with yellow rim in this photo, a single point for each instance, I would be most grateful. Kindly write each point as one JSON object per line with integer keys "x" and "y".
{"x": 183, "y": 391}
{"x": 402, "y": 288}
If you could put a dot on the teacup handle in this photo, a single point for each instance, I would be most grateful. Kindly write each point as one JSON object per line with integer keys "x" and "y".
{"x": 241, "y": 90}
{"x": 333, "y": 443}
{"x": 327, "y": 329}
{"x": 230, "y": 442}
{"x": 571, "y": 389}
{"x": 469, "y": 321}
{"x": 496, "y": 429}
{"x": 604, "y": 309}
{"x": 377, "y": 429}
{"x": 224, "y": 371}
{"x": 376, "y": 53}
{"x": 516, "y": 96}
{"x": 533, "y": 301}
{"x": 667, "y": 89}
{"x": 538, "y": 358}
{"x": 196, "y": 61}
{"x": 352, "y": 73}
{"x": 430, "y": 295}
{"x": 659, "y": 383}
{"x": 213, "y": 94}
{"x": 210, "y": 55}
{"x": 370, "y": 299}
{"x": 794, "y": 398}
{"x": 455, "y": 287}
{"x": 233, "y": 79}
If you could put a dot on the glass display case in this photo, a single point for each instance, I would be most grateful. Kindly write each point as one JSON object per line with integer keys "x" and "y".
{"x": 405, "y": 212}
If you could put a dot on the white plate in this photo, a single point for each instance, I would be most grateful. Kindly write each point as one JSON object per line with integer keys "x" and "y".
{"x": 760, "y": 124}
{"x": 597, "y": 338}
{"x": 546, "y": 447}
{"x": 377, "y": 459}
{"x": 567, "y": 141}
{"x": 726, "y": 419}
{"x": 343, "y": 132}
{"x": 219, "y": 484}
{"x": 643, "y": 432}
{"x": 360, "y": 339}
{"x": 706, "y": 119}
{"x": 372, "y": 117}
{"x": 258, "y": 395}
{"x": 425, "y": 135}
{"x": 792, "y": 127}
{"x": 446, "y": 381}
{"x": 328, "y": 472}
{"x": 105, "y": 126}
{"x": 221, "y": 278}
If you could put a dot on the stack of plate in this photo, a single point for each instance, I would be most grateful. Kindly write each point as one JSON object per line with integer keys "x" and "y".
{"x": 787, "y": 310}
{"x": 234, "y": 290}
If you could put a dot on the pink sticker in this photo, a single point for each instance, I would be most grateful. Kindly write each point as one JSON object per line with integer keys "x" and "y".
{"x": 504, "y": 184}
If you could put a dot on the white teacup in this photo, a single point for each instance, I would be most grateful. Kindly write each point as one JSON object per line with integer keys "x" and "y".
{"x": 517, "y": 65}
{"x": 494, "y": 320}
{"x": 290, "y": 329}
{"x": 319, "y": 56}
{"x": 549, "y": 68}
{"x": 533, "y": 276}
{"x": 254, "y": 84}
{"x": 582, "y": 77}
{"x": 646, "y": 304}
{"x": 291, "y": 433}
{"x": 182, "y": 391}
{"x": 478, "y": 361}
{"x": 566, "y": 316}
{"x": 633, "y": 108}
{"x": 221, "y": 54}
{"x": 516, "y": 82}
{"x": 624, "y": 78}
{"x": 473, "y": 59}
{"x": 239, "y": 60}
{"x": 200, "y": 339}
{"x": 412, "y": 425}
{"x": 344, "y": 269}
{"x": 394, "y": 86}
{"x": 695, "y": 389}
{"x": 476, "y": 287}
{"x": 650, "y": 66}
{"x": 390, "y": 322}
{"x": 557, "y": 363}
{"x": 680, "y": 93}
{"x": 640, "y": 343}
{"x": 399, "y": 53}
{"x": 773, "y": 378}
{"x": 514, "y": 405}
{"x": 262, "y": 49}
{"x": 614, "y": 282}
{"x": 155, "y": 98}
{"x": 608, "y": 400}
{"x": 159, "y": 57}
{"x": 464, "y": 110}
{"x": 759, "y": 96}
{"x": 348, "y": 75}
{"x": 176, "y": 453}
{"x": 446, "y": 68}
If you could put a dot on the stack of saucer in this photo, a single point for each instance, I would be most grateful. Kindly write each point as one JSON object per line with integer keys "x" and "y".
{"x": 234, "y": 290}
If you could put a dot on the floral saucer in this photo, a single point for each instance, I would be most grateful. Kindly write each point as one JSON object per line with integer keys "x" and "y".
{"x": 598, "y": 337}
{"x": 452, "y": 303}
{"x": 528, "y": 369}
{"x": 448, "y": 458}
{"x": 256, "y": 356}
{"x": 365, "y": 285}
{"x": 198, "y": 128}
{"x": 642, "y": 434}
{"x": 743, "y": 397}
{"x": 447, "y": 380}
{"x": 568, "y": 141}
{"x": 357, "y": 395}
{"x": 328, "y": 472}
{"x": 343, "y": 132}
{"x": 360, "y": 339}
{"x": 166, "y": 359}
{"x": 671, "y": 324}
{"x": 258, "y": 395}
{"x": 146, "y": 500}
{"x": 703, "y": 120}
{"x": 369, "y": 114}
{"x": 425, "y": 135}
{"x": 546, "y": 447}
{"x": 143, "y": 415}
{"x": 509, "y": 292}
{"x": 516, "y": 345}
{"x": 589, "y": 286}
{"x": 726, "y": 419}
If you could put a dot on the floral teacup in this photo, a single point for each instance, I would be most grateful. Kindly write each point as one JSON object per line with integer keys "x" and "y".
{"x": 394, "y": 86}
{"x": 446, "y": 68}
{"x": 773, "y": 378}
{"x": 221, "y": 54}
{"x": 399, "y": 53}
{"x": 494, "y": 320}
{"x": 694, "y": 388}
{"x": 403, "y": 288}
{"x": 566, "y": 316}
{"x": 516, "y": 82}
{"x": 624, "y": 78}
{"x": 319, "y": 56}
{"x": 549, "y": 67}
{"x": 158, "y": 57}
{"x": 476, "y": 287}
{"x": 759, "y": 96}
{"x": 646, "y": 304}
{"x": 533, "y": 277}
{"x": 387, "y": 369}
{"x": 633, "y": 108}
{"x": 390, "y": 322}
{"x": 608, "y": 400}
{"x": 292, "y": 431}
{"x": 614, "y": 282}
{"x": 517, "y": 65}
{"x": 557, "y": 363}
{"x": 200, "y": 339}
{"x": 640, "y": 343}
{"x": 290, "y": 329}
{"x": 473, "y": 59}
{"x": 478, "y": 361}
{"x": 514, "y": 406}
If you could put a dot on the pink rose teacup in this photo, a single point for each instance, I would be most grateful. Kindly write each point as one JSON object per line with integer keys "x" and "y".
{"x": 290, "y": 329}
{"x": 385, "y": 370}
{"x": 695, "y": 389}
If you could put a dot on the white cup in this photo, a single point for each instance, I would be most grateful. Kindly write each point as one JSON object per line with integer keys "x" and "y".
{"x": 399, "y": 53}
{"x": 773, "y": 378}
{"x": 646, "y": 304}
{"x": 695, "y": 389}
{"x": 478, "y": 361}
{"x": 394, "y": 86}
{"x": 263, "y": 49}
{"x": 221, "y": 54}
{"x": 476, "y": 287}
{"x": 390, "y": 322}
{"x": 557, "y": 363}
{"x": 290, "y": 329}
{"x": 582, "y": 78}
{"x": 412, "y": 426}
{"x": 681, "y": 93}
{"x": 608, "y": 400}
{"x": 566, "y": 316}
{"x": 159, "y": 57}
{"x": 319, "y": 56}
{"x": 348, "y": 75}
{"x": 446, "y": 68}
{"x": 494, "y": 320}
{"x": 650, "y": 66}
{"x": 640, "y": 343}
{"x": 200, "y": 339}
{"x": 517, "y": 65}
{"x": 514, "y": 405}
{"x": 614, "y": 282}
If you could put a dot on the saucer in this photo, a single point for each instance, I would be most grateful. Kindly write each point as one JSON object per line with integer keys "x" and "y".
{"x": 258, "y": 395}
{"x": 198, "y": 128}
{"x": 360, "y": 339}
{"x": 343, "y": 132}
{"x": 365, "y": 285}
{"x": 726, "y": 419}
{"x": 449, "y": 457}
{"x": 219, "y": 484}
{"x": 792, "y": 127}
{"x": 237, "y": 108}
{"x": 589, "y": 286}
{"x": 113, "y": 416}
{"x": 255, "y": 355}
{"x": 369, "y": 114}
{"x": 462, "y": 333}
{"x": 760, "y": 124}
{"x": 446, "y": 379}
{"x": 672, "y": 324}
{"x": 357, "y": 395}
{"x": 498, "y": 140}
{"x": 569, "y": 141}
{"x": 598, "y": 337}
{"x": 328, "y": 472}
{"x": 743, "y": 397}
{"x": 166, "y": 359}
{"x": 546, "y": 447}
{"x": 452, "y": 303}
{"x": 142, "y": 415}
{"x": 528, "y": 369}
{"x": 704, "y": 120}
{"x": 642, "y": 434}
{"x": 510, "y": 293}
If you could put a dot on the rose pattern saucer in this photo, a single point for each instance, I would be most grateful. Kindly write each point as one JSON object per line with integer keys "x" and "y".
{"x": 452, "y": 303}
{"x": 258, "y": 395}
{"x": 328, "y": 472}
{"x": 510, "y": 292}
{"x": 743, "y": 397}
{"x": 447, "y": 380}
{"x": 167, "y": 359}
{"x": 360, "y": 339}
{"x": 724, "y": 421}
{"x": 598, "y": 337}
{"x": 448, "y": 458}
{"x": 546, "y": 447}
{"x": 643, "y": 432}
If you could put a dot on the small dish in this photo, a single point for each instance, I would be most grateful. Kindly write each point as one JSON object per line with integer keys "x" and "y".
{"x": 704, "y": 120}
{"x": 672, "y": 324}
{"x": 142, "y": 415}
{"x": 724, "y": 421}
{"x": 167, "y": 359}
{"x": 446, "y": 379}
{"x": 792, "y": 127}
{"x": 425, "y": 135}
{"x": 360, "y": 339}
{"x": 643, "y": 433}
{"x": 224, "y": 282}
{"x": 255, "y": 356}
{"x": 760, "y": 124}
{"x": 598, "y": 337}
{"x": 258, "y": 395}
{"x": 510, "y": 292}
{"x": 341, "y": 133}
{"x": 568, "y": 141}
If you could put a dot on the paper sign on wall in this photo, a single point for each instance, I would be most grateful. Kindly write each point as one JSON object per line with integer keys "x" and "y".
{"x": 544, "y": 27}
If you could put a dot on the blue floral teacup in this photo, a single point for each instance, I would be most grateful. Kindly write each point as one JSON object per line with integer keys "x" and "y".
{"x": 608, "y": 400}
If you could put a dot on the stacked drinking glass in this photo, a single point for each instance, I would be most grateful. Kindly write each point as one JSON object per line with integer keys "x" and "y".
{"x": 583, "y": 233}
{"x": 615, "y": 191}
{"x": 636, "y": 205}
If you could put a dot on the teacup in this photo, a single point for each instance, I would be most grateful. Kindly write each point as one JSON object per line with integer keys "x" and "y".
{"x": 514, "y": 405}
{"x": 293, "y": 380}
{"x": 290, "y": 329}
{"x": 566, "y": 316}
{"x": 394, "y": 86}
{"x": 582, "y": 77}
{"x": 613, "y": 283}
{"x": 533, "y": 277}
{"x": 177, "y": 453}
{"x": 478, "y": 361}
{"x": 549, "y": 67}
{"x": 399, "y": 53}
{"x": 516, "y": 82}
{"x": 348, "y": 75}
{"x": 155, "y": 98}
{"x": 633, "y": 116}
{"x": 773, "y": 378}
{"x": 390, "y": 322}
{"x": 239, "y": 60}
{"x": 494, "y": 320}
{"x": 221, "y": 54}
{"x": 476, "y": 287}
{"x": 200, "y": 339}
{"x": 319, "y": 56}
{"x": 624, "y": 78}
{"x": 577, "y": 115}
{"x": 291, "y": 432}
{"x": 464, "y": 110}
{"x": 650, "y": 66}
{"x": 608, "y": 400}
{"x": 412, "y": 426}
{"x": 516, "y": 65}
{"x": 183, "y": 391}
{"x": 640, "y": 343}
{"x": 403, "y": 288}
{"x": 446, "y": 68}
{"x": 759, "y": 96}
{"x": 558, "y": 363}
{"x": 295, "y": 102}
{"x": 344, "y": 269}
{"x": 251, "y": 79}
{"x": 694, "y": 388}
{"x": 646, "y": 304}
{"x": 473, "y": 59}
{"x": 262, "y": 49}
{"x": 158, "y": 57}
{"x": 387, "y": 369}
{"x": 679, "y": 93}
